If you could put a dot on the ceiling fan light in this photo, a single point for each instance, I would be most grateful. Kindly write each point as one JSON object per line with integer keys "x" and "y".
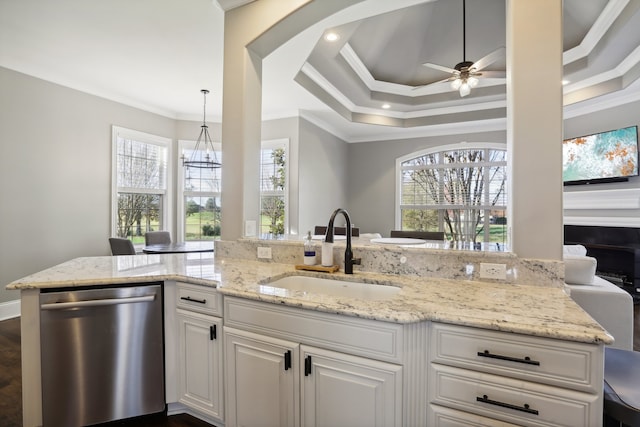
{"x": 465, "y": 89}
{"x": 473, "y": 82}
{"x": 455, "y": 84}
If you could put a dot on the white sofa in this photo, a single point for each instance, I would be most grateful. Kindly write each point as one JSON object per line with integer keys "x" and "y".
{"x": 608, "y": 304}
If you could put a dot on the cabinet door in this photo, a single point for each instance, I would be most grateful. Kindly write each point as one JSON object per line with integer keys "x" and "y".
{"x": 200, "y": 362}
{"x": 262, "y": 379}
{"x": 344, "y": 390}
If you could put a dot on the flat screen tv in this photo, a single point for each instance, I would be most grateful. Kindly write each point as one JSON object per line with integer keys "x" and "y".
{"x": 601, "y": 157}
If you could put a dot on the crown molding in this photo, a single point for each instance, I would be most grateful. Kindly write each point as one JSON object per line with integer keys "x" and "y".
{"x": 227, "y": 5}
{"x": 358, "y": 67}
{"x": 609, "y": 14}
{"x": 619, "y": 199}
{"x": 602, "y": 221}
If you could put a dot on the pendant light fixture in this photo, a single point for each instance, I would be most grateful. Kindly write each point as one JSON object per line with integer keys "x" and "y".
{"x": 208, "y": 160}
{"x": 465, "y": 79}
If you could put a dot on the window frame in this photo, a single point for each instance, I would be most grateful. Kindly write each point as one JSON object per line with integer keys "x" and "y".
{"x": 180, "y": 191}
{"x": 437, "y": 149}
{"x": 272, "y": 144}
{"x": 166, "y": 193}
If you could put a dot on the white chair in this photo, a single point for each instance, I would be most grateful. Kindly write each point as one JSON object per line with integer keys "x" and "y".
{"x": 608, "y": 304}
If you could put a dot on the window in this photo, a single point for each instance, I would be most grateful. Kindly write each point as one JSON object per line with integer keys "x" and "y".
{"x": 456, "y": 189}
{"x": 199, "y": 198}
{"x": 274, "y": 188}
{"x": 140, "y": 198}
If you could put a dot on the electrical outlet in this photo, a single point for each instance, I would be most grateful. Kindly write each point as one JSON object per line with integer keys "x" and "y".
{"x": 264, "y": 252}
{"x": 493, "y": 271}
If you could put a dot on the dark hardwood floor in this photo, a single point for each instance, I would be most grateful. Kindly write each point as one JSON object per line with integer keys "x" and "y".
{"x": 10, "y": 374}
{"x": 11, "y": 388}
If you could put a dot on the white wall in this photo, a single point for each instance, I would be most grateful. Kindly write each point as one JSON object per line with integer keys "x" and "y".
{"x": 55, "y": 173}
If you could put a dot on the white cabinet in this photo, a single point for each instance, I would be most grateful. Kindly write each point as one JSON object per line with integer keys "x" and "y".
{"x": 262, "y": 377}
{"x": 518, "y": 379}
{"x": 200, "y": 354}
{"x": 275, "y": 378}
{"x": 343, "y": 390}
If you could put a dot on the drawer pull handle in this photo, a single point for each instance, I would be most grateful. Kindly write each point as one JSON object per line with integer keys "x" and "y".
{"x": 525, "y": 408}
{"x": 287, "y": 360}
{"x": 213, "y": 332}
{"x": 527, "y": 360}
{"x": 307, "y": 366}
{"x": 199, "y": 301}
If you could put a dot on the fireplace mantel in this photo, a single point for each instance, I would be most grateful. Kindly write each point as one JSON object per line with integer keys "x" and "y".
{"x": 623, "y": 200}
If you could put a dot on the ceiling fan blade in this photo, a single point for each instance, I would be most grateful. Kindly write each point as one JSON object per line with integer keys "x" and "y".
{"x": 429, "y": 84}
{"x": 494, "y": 74}
{"x": 440, "y": 67}
{"x": 489, "y": 59}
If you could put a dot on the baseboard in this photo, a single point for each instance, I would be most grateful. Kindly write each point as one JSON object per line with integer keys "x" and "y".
{"x": 9, "y": 309}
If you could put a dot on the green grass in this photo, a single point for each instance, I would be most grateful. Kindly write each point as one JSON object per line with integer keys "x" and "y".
{"x": 194, "y": 223}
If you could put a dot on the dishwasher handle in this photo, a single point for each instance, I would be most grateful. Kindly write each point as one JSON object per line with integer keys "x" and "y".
{"x": 96, "y": 302}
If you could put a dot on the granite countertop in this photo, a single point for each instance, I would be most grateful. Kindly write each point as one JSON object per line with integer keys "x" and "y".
{"x": 531, "y": 310}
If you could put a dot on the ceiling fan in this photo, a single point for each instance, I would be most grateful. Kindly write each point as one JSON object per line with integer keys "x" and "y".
{"x": 464, "y": 74}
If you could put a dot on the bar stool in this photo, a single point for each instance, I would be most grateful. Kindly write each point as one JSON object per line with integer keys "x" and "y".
{"x": 621, "y": 388}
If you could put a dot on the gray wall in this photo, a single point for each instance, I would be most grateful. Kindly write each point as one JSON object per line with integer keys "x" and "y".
{"x": 609, "y": 119}
{"x": 371, "y": 175}
{"x": 55, "y": 170}
{"x": 55, "y": 173}
{"x": 323, "y": 180}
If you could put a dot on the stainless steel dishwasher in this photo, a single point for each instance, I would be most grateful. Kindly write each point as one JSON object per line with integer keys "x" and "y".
{"x": 102, "y": 354}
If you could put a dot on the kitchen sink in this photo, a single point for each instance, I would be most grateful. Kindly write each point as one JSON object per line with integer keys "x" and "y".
{"x": 335, "y": 287}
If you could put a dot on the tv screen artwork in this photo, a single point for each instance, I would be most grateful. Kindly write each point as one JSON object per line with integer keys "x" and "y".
{"x": 601, "y": 157}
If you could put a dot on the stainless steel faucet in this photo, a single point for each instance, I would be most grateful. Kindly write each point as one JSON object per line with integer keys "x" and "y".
{"x": 349, "y": 260}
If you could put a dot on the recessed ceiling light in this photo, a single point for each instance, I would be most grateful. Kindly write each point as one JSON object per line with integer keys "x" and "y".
{"x": 331, "y": 36}
{"x": 386, "y": 106}
{"x": 565, "y": 82}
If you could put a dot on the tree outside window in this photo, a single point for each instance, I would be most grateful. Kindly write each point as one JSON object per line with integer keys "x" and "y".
{"x": 273, "y": 185}
{"x": 459, "y": 191}
{"x": 200, "y": 198}
{"x": 140, "y": 173}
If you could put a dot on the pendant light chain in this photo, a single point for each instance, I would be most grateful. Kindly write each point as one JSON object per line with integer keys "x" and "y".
{"x": 464, "y": 30}
{"x": 204, "y": 107}
{"x": 196, "y": 160}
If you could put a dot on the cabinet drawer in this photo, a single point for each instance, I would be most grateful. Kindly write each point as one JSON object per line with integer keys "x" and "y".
{"x": 439, "y": 416}
{"x": 201, "y": 299}
{"x": 543, "y": 360}
{"x": 361, "y": 337}
{"x": 518, "y": 402}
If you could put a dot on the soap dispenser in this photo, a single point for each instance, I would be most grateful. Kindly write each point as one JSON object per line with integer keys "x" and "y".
{"x": 309, "y": 251}
{"x": 327, "y": 254}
